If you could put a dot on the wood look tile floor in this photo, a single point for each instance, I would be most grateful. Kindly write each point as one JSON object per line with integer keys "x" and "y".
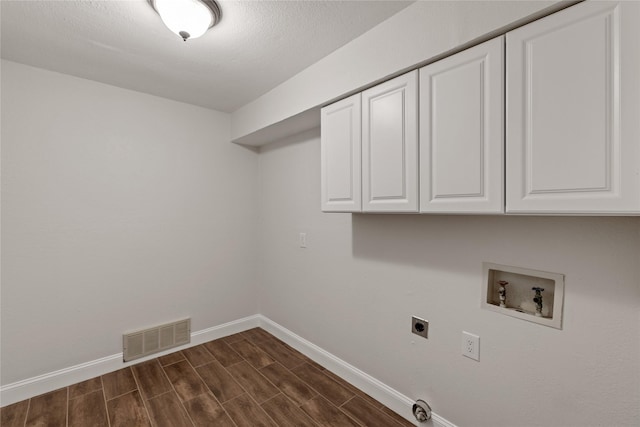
{"x": 247, "y": 379}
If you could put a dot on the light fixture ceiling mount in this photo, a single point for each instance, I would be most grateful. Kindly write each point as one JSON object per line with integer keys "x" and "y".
{"x": 188, "y": 18}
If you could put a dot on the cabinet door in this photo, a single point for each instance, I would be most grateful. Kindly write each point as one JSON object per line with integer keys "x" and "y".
{"x": 340, "y": 149}
{"x": 573, "y": 115}
{"x": 461, "y": 131}
{"x": 390, "y": 146}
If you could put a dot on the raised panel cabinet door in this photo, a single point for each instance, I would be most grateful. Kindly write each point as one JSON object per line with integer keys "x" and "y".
{"x": 573, "y": 112}
{"x": 462, "y": 131}
{"x": 340, "y": 153}
{"x": 390, "y": 146}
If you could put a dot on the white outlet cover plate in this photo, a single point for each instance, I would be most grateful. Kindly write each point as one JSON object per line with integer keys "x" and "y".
{"x": 471, "y": 346}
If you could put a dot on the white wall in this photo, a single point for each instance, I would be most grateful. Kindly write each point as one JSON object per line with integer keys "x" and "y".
{"x": 120, "y": 210}
{"x": 422, "y": 31}
{"x": 355, "y": 287}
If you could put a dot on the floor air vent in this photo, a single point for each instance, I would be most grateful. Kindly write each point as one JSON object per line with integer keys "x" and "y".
{"x": 153, "y": 340}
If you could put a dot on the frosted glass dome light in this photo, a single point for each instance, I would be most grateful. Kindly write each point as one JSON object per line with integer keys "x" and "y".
{"x": 187, "y": 18}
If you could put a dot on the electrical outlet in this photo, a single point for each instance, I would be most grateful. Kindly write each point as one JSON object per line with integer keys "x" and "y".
{"x": 471, "y": 346}
{"x": 420, "y": 327}
{"x": 302, "y": 239}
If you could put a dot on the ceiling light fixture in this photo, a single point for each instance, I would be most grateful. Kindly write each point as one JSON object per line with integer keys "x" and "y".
{"x": 187, "y": 18}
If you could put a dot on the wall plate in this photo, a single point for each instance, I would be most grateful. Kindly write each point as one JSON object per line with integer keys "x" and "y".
{"x": 420, "y": 327}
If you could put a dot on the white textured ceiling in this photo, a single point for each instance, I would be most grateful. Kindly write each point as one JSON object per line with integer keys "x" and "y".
{"x": 256, "y": 46}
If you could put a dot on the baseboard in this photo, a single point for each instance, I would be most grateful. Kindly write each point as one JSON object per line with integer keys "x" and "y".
{"x": 386, "y": 395}
{"x": 391, "y": 398}
{"x": 35, "y": 386}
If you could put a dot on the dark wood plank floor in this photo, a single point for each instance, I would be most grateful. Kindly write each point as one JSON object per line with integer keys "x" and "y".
{"x": 247, "y": 379}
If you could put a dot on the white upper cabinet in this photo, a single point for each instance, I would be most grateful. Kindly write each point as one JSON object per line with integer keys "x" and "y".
{"x": 390, "y": 146}
{"x": 573, "y": 112}
{"x": 567, "y": 90}
{"x": 462, "y": 131}
{"x": 341, "y": 156}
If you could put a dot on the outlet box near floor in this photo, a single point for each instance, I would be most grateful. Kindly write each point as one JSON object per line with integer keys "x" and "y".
{"x": 518, "y": 295}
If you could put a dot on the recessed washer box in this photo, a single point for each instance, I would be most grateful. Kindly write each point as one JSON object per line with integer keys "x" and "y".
{"x": 533, "y": 295}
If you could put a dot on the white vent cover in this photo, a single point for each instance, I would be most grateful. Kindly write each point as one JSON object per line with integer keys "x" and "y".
{"x": 153, "y": 340}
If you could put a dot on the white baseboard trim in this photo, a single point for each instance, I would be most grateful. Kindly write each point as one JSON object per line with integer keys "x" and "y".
{"x": 386, "y": 395}
{"x": 401, "y": 404}
{"x": 30, "y": 387}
